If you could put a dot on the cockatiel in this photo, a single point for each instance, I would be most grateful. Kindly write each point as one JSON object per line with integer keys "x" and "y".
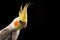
{"x": 12, "y": 31}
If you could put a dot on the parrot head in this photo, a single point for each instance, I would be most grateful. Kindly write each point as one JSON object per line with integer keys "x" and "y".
{"x": 21, "y": 21}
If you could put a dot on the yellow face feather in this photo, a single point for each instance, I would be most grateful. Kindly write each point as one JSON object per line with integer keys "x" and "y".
{"x": 22, "y": 17}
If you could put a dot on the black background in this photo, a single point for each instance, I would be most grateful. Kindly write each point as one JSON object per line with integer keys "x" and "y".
{"x": 37, "y": 17}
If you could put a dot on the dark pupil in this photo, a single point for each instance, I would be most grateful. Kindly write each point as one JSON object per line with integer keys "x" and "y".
{"x": 21, "y": 22}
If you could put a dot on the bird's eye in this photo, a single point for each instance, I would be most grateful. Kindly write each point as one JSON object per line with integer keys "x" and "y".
{"x": 21, "y": 22}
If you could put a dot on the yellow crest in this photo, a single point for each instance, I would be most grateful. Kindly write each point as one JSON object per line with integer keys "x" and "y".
{"x": 23, "y": 13}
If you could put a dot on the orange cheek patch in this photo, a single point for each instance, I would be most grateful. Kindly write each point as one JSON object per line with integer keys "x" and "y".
{"x": 16, "y": 23}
